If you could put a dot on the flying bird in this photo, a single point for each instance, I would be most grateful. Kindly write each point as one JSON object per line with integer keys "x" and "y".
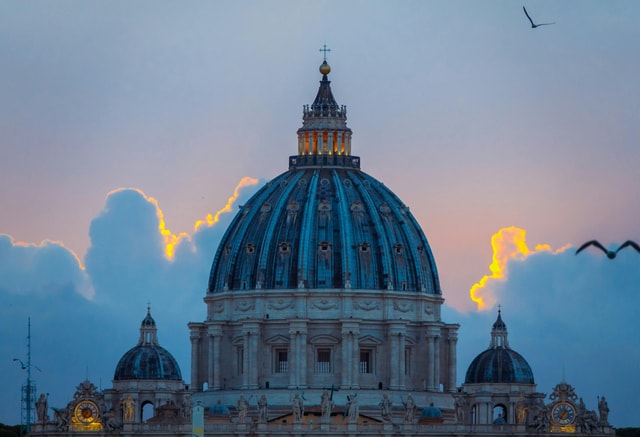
{"x": 533, "y": 26}
{"x": 627, "y": 244}
{"x": 611, "y": 254}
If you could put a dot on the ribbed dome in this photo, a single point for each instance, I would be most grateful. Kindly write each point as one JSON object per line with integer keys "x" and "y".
{"x": 324, "y": 227}
{"x": 147, "y": 360}
{"x": 324, "y": 223}
{"x": 499, "y": 363}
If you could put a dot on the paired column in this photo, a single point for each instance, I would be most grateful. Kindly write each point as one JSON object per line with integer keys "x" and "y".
{"x": 433, "y": 349}
{"x": 215, "y": 337}
{"x": 397, "y": 335}
{"x": 250, "y": 357}
{"x": 196, "y": 382}
{"x": 453, "y": 344}
{"x": 350, "y": 354}
{"x": 297, "y": 354}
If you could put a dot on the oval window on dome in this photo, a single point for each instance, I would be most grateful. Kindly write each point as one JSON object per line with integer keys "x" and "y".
{"x": 251, "y": 248}
{"x": 365, "y": 247}
{"x": 266, "y": 207}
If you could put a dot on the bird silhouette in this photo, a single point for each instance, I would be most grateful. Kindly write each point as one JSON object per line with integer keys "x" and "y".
{"x": 24, "y": 366}
{"x": 611, "y": 254}
{"x": 533, "y": 26}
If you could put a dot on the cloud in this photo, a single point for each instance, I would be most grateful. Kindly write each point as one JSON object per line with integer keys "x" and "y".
{"x": 84, "y": 318}
{"x": 45, "y": 268}
{"x": 572, "y": 317}
{"x": 508, "y": 244}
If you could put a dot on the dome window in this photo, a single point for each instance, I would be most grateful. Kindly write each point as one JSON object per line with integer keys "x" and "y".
{"x": 324, "y": 206}
{"x": 284, "y": 247}
{"x": 251, "y": 248}
{"x": 364, "y": 247}
{"x": 266, "y": 207}
{"x": 324, "y": 246}
{"x": 397, "y": 248}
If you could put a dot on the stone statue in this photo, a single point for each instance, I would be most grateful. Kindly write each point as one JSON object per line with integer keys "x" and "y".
{"x": 110, "y": 420}
{"x": 603, "y": 409}
{"x": 262, "y": 409}
{"x": 61, "y": 417}
{"x": 326, "y": 406}
{"x": 353, "y": 410}
{"x": 385, "y": 408}
{"x": 590, "y": 422}
{"x": 541, "y": 421}
{"x": 42, "y": 408}
{"x": 410, "y": 409}
{"x": 129, "y": 406}
{"x": 521, "y": 410}
{"x": 243, "y": 408}
{"x": 460, "y": 406}
{"x": 298, "y": 408}
{"x": 187, "y": 406}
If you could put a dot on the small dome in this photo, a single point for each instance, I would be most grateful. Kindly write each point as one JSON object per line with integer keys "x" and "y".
{"x": 431, "y": 411}
{"x": 499, "y": 363}
{"x": 219, "y": 409}
{"x": 147, "y": 360}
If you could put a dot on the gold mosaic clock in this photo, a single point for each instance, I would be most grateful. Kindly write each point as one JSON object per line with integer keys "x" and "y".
{"x": 86, "y": 412}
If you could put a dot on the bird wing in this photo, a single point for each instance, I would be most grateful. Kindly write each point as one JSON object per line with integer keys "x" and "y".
{"x": 629, "y": 243}
{"x": 592, "y": 243}
{"x": 527, "y": 14}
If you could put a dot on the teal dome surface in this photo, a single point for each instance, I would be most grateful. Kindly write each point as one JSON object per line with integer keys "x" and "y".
{"x": 499, "y": 363}
{"x": 324, "y": 224}
{"x": 147, "y": 360}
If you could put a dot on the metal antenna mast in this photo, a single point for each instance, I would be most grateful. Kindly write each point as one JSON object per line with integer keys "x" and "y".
{"x": 28, "y": 389}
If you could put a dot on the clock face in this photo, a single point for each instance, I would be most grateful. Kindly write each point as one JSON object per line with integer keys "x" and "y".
{"x": 563, "y": 413}
{"x": 86, "y": 412}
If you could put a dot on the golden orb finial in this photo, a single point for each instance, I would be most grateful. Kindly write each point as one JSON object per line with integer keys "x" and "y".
{"x": 325, "y": 68}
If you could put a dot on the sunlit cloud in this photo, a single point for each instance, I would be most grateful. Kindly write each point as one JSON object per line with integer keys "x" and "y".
{"x": 210, "y": 219}
{"x": 48, "y": 266}
{"x": 172, "y": 240}
{"x": 508, "y": 244}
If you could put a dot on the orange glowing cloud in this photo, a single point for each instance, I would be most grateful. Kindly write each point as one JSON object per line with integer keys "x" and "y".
{"x": 211, "y": 220}
{"x": 44, "y": 243}
{"x": 508, "y": 243}
{"x": 171, "y": 240}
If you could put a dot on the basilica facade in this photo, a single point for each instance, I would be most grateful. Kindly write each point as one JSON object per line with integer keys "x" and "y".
{"x": 323, "y": 317}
